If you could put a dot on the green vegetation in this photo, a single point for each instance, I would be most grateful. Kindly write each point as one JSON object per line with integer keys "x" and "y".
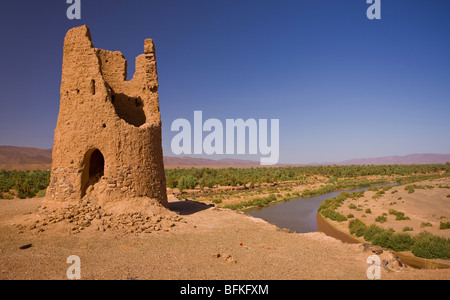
{"x": 441, "y": 186}
{"x": 381, "y": 219}
{"x": 380, "y": 191}
{"x": 424, "y": 245}
{"x": 381, "y": 237}
{"x": 336, "y": 174}
{"x": 412, "y": 188}
{"x": 344, "y": 184}
{"x": 26, "y": 184}
{"x": 398, "y": 215}
{"x": 333, "y": 215}
{"x": 426, "y": 224}
{"x": 444, "y": 225}
{"x": 262, "y": 180}
{"x": 357, "y": 227}
{"x": 257, "y": 202}
{"x": 187, "y": 182}
{"x": 329, "y": 206}
{"x": 421, "y": 177}
{"x": 217, "y": 201}
{"x": 29, "y": 183}
{"x": 427, "y": 245}
{"x": 352, "y": 206}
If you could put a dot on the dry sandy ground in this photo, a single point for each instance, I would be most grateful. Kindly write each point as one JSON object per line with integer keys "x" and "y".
{"x": 212, "y": 244}
{"x": 425, "y": 206}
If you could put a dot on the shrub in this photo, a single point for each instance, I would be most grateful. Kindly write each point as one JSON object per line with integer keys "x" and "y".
{"x": 350, "y": 216}
{"x": 41, "y": 193}
{"x": 401, "y": 241}
{"x": 26, "y": 184}
{"x": 187, "y": 182}
{"x": 378, "y": 195}
{"x": 259, "y": 202}
{"x": 410, "y": 189}
{"x": 406, "y": 228}
{"x": 217, "y": 201}
{"x": 413, "y": 187}
{"x": 381, "y": 219}
{"x": 357, "y": 227}
{"x": 432, "y": 247}
{"x": 172, "y": 183}
{"x": 444, "y": 225}
{"x": 371, "y": 232}
{"x": 426, "y": 224}
{"x": 425, "y": 245}
{"x": 398, "y": 215}
{"x": 388, "y": 238}
{"x": 356, "y": 195}
{"x": 383, "y": 238}
{"x": 368, "y": 211}
{"x": 333, "y": 215}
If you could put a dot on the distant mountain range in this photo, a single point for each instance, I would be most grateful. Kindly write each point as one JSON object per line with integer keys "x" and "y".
{"x": 24, "y": 158}
{"x": 400, "y": 160}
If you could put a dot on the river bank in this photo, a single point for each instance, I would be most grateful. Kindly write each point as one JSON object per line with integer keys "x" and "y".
{"x": 326, "y": 226}
{"x": 246, "y": 198}
{"x": 408, "y": 209}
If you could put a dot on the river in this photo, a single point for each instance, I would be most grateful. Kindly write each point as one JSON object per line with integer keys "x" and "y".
{"x": 298, "y": 215}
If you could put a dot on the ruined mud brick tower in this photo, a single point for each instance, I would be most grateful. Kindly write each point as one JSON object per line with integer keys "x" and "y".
{"x": 108, "y": 135}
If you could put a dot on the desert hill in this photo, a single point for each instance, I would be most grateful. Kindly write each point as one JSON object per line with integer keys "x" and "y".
{"x": 401, "y": 160}
{"x": 26, "y": 158}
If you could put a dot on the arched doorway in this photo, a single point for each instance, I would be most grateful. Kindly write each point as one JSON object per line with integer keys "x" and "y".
{"x": 96, "y": 165}
{"x": 94, "y": 168}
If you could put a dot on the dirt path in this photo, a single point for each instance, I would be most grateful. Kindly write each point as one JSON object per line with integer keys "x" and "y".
{"x": 210, "y": 244}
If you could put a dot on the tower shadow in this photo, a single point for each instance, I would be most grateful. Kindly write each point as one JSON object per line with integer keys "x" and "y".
{"x": 188, "y": 207}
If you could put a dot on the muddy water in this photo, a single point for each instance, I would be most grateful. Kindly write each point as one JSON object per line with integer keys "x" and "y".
{"x": 298, "y": 215}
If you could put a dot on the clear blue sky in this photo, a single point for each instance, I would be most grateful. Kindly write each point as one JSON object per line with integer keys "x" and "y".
{"x": 342, "y": 86}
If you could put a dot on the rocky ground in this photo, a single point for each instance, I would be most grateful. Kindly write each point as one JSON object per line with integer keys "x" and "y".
{"x": 191, "y": 241}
